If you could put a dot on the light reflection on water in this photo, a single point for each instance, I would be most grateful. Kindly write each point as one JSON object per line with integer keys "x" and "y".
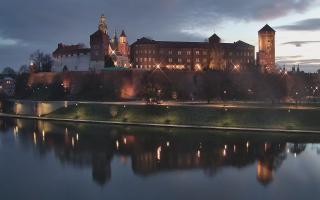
{"x": 46, "y": 160}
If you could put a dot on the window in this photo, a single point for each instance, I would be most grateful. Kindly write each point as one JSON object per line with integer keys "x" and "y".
{"x": 188, "y": 60}
{"x": 170, "y": 60}
{"x": 137, "y": 59}
{"x": 205, "y": 60}
{"x": 179, "y": 53}
{"x": 197, "y": 52}
{"x": 145, "y": 51}
{"x": 197, "y": 60}
{"x": 170, "y": 52}
{"x": 145, "y": 59}
{"x": 188, "y": 53}
{"x": 149, "y": 59}
{"x": 179, "y": 60}
{"x": 205, "y": 53}
{"x": 149, "y": 51}
{"x": 141, "y": 60}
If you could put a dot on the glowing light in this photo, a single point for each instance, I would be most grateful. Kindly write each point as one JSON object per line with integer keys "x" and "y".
{"x": 248, "y": 144}
{"x": 224, "y": 152}
{"x": 265, "y": 147}
{"x": 295, "y": 155}
{"x": 72, "y": 142}
{"x": 168, "y": 143}
{"x": 117, "y": 144}
{"x": 198, "y": 154}
{"x": 35, "y": 138}
{"x": 125, "y": 140}
{"x": 234, "y": 148}
{"x": 236, "y": 67}
{"x": 198, "y": 67}
{"x": 159, "y": 153}
{"x": 225, "y": 147}
{"x": 43, "y": 135}
{"x": 77, "y": 137}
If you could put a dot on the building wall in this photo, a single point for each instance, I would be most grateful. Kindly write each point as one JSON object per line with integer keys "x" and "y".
{"x": 191, "y": 56}
{"x": 266, "y": 55}
{"x": 76, "y": 62}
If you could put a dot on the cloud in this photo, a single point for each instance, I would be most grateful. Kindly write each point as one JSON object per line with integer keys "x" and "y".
{"x": 312, "y": 24}
{"x": 8, "y": 41}
{"x": 42, "y": 24}
{"x": 300, "y": 43}
{"x": 282, "y": 58}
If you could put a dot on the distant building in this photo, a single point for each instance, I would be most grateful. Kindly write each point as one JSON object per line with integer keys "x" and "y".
{"x": 213, "y": 54}
{"x": 266, "y": 56}
{"x": 7, "y": 86}
{"x": 80, "y": 58}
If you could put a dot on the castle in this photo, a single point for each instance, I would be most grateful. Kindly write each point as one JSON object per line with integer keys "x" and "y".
{"x": 149, "y": 54}
{"x": 80, "y": 58}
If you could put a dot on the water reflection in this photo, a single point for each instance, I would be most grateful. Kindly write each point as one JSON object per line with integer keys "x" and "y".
{"x": 154, "y": 151}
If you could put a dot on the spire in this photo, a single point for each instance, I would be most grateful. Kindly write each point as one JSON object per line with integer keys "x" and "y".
{"x": 114, "y": 39}
{"x": 123, "y": 34}
{"x": 103, "y": 24}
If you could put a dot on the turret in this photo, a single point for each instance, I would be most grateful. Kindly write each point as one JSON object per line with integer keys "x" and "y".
{"x": 123, "y": 44}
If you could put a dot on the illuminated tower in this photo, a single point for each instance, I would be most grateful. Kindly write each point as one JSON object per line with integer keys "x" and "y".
{"x": 99, "y": 44}
{"x": 123, "y": 44}
{"x": 266, "y": 54}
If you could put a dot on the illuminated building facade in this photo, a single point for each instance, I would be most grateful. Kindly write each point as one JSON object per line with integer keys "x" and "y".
{"x": 266, "y": 55}
{"x": 212, "y": 54}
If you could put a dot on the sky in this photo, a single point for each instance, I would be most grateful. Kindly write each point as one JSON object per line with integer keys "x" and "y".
{"x": 28, "y": 25}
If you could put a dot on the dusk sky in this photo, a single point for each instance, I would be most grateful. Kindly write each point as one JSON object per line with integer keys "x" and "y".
{"x": 26, "y": 26}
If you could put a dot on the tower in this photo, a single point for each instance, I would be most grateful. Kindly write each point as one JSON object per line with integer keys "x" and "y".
{"x": 99, "y": 44}
{"x": 266, "y": 54}
{"x": 103, "y": 24}
{"x": 123, "y": 44}
{"x": 115, "y": 41}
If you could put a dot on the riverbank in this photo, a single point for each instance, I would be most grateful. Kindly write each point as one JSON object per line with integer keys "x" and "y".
{"x": 230, "y": 117}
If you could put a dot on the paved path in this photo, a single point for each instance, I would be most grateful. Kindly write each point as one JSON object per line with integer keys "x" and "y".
{"x": 162, "y": 125}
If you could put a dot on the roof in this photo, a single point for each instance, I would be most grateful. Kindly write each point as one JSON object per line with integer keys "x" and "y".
{"x": 267, "y": 28}
{"x": 123, "y": 34}
{"x": 64, "y": 49}
{"x": 175, "y": 44}
{"x": 215, "y": 37}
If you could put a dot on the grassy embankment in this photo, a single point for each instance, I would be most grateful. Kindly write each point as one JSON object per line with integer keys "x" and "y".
{"x": 272, "y": 118}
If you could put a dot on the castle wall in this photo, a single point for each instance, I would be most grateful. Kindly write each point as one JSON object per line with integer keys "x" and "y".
{"x": 79, "y": 62}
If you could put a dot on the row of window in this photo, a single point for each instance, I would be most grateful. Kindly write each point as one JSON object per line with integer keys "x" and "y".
{"x": 241, "y": 53}
{"x": 170, "y": 60}
{"x": 170, "y": 52}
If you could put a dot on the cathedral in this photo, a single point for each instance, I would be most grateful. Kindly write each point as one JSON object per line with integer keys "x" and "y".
{"x": 102, "y": 49}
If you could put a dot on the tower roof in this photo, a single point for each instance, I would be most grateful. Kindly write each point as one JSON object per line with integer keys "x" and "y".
{"x": 214, "y": 39}
{"x": 123, "y": 34}
{"x": 267, "y": 28}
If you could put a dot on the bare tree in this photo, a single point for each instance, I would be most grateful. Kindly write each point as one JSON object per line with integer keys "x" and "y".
{"x": 41, "y": 62}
